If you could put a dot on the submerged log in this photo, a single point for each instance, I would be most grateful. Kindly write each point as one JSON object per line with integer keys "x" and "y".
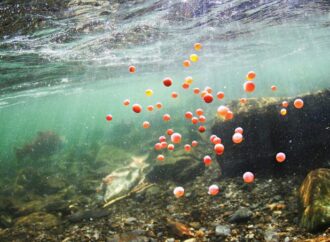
{"x": 303, "y": 135}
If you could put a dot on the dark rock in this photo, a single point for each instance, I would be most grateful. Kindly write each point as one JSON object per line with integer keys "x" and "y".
{"x": 315, "y": 200}
{"x": 88, "y": 214}
{"x": 241, "y": 215}
{"x": 222, "y": 230}
{"x": 266, "y": 133}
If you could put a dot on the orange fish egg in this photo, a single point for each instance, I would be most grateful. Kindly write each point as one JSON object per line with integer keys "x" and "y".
{"x": 251, "y": 75}
{"x": 160, "y": 157}
{"x": 274, "y": 88}
{"x": 126, "y": 102}
{"x": 208, "y": 98}
{"x": 280, "y": 157}
{"x": 199, "y": 111}
{"x": 167, "y": 82}
{"x": 158, "y": 146}
{"x": 212, "y": 137}
{"x": 194, "y": 143}
{"x": 162, "y": 138}
{"x": 283, "y": 112}
{"x": 166, "y": 117}
{"x": 285, "y": 104}
{"x": 170, "y": 147}
{"x": 186, "y": 63}
{"x": 176, "y": 138}
{"x": 178, "y": 192}
{"x": 219, "y": 149}
{"x": 185, "y": 85}
{"x": 203, "y": 93}
{"x": 237, "y": 138}
{"x": 159, "y": 105}
{"x": 137, "y": 108}
{"x": 174, "y": 94}
{"x": 108, "y": 117}
{"x": 188, "y": 115}
{"x": 208, "y": 89}
{"x": 222, "y": 110}
{"x": 229, "y": 115}
{"x": 150, "y": 108}
{"x": 196, "y": 90}
{"x": 170, "y": 131}
{"x": 187, "y": 147}
{"x": 207, "y": 160}
{"x": 213, "y": 190}
{"x": 239, "y": 130}
{"x": 216, "y": 140}
{"x": 163, "y": 144}
{"x": 248, "y": 177}
{"x": 243, "y": 100}
{"x": 220, "y": 95}
{"x": 188, "y": 80}
{"x": 249, "y": 86}
{"x": 198, "y": 46}
{"x": 132, "y": 69}
{"x": 298, "y": 103}
{"x": 201, "y": 129}
{"x": 201, "y": 119}
{"x": 194, "y": 120}
{"x": 146, "y": 125}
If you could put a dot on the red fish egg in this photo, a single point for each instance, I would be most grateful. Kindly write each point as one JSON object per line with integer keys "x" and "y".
{"x": 249, "y": 86}
{"x": 219, "y": 149}
{"x": 126, "y": 102}
{"x": 208, "y": 98}
{"x": 243, "y": 100}
{"x": 229, "y": 115}
{"x": 248, "y": 177}
{"x": 178, "y": 192}
{"x": 194, "y": 120}
{"x": 274, "y": 88}
{"x": 203, "y": 93}
{"x": 213, "y": 190}
{"x": 159, "y": 105}
{"x": 222, "y": 110}
{"x": 220, "y": 95}
{"x": 207, "y": 160}
{"x": 188, "y": 115}
{"x": 196, "y": 90}
{"x": 174, "y": 94}
{"x": 160, "y": 157}
{"x": 189, "y": 80}
{"x": 132, "y": 69}
{"x": 212, "y": 137}
{"x": 285, "y": 104}
{"x": 187, "y": 147}
{"x": 150, "y": 108}
{"x": 199, "y": 111}
{"x": 146, "y": 125}
{"x": 170, "y": 147}
{"x": 194, "y": 143}
{"x": 176, "y": 138}
{"x": 237, "y": 138}
{"x": 163, "y": 144}
{"x": 239, "y": 130}
{"x": 167, "y": 82}
{"x": 186, "y": 63}
{"x": 170, "y": 131}
{"x": 162, "y": 138}
{"x": 208, "y": 89}
{"x": 201, "y": 129}
{"x": 166, "y": 117}
{"x": 251, "y": 75}
{"x": 216, "y": 140}
{"x": 201, "y": 119}
{"x": 137, "y": 108}
{"x": 108, "y": 117}
{"x": 298, "y": 103}
{"x": 280, "y": 157}
{"x": 158, "y": 146}
{"x": 185, "y": 85}
{"x": 198, "y": 46}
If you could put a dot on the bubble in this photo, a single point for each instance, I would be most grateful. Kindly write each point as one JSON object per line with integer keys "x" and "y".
{"x": 108, "y": 117}
{"x": 170, "y": 147}
{"x": 197, "y": 46}
{"x": 298, "y": 103}
{"x": 196, "y": 90}
{"x": 207, "y": 160}
{"x": 178, "y": 192}
{"x": 137, "y": 108}
{"x": 188, "y": 115}
{"x": 176, "y": 138}
{"x": 146, "y": 125}
{"x": 280, "y": 157}
{"x": 194, "y": 143}
{"x": 160, "y": 157}
{"x": 219, "y": 149}
{"x": 186, "y": 63}
{"x": 237, "y": 138}
{"x": 187, "y": 147}
{"x": 126, "y": 102}
{"x": 251, "y": 75}
{"x": 201, "y": 129}
{"x": 213, "y": 190}
{"x": 149, "y": 92}
{"x": 194, "y": 57}
{"x": 166, "y": 117}
{"x": 208, "y": 98}
{"x": 239, "y": 130}
{"x": 220, "y": 95}
{"x": 248, "y": 177}
{"x": 132, "y": 69}
{"x": 167, "y": 82}
{"x": 249, "y": 86}
{"x": 174, "y": 94}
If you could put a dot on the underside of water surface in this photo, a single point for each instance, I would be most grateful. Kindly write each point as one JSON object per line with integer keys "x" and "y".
{"x": 80, "y": 163}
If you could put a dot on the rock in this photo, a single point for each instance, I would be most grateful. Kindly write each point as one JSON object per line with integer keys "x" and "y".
{"x": 128, "y": 237}
{"x": 315, "y": 200}
{"x": 37, "y": 220}
{"x": 266, "y": 133}
{"x": 241, "y": 215}
{"x": 6, "y": 221}
{"x": 88, "y": 214}
{"x": 222, "y": 230}
{"x": 130, "y": 220}
{"x": 190, "y": 240}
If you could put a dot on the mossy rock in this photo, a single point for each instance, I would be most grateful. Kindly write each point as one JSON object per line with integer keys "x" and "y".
{"x": 315, "y": 200}
{"x": 38, "y": 220}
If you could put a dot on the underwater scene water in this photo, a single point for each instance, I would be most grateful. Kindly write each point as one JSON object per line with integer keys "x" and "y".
{"x": 181, "y": 120}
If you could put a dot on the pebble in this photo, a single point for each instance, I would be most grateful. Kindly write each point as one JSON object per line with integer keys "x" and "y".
{"x": 130, "y": 220}
{"x": 241, "y": 215}
{"x": 222, "y": 230}
{"x": 190, "y": 240}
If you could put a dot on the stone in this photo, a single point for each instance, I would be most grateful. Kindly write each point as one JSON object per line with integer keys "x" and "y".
{"x": 222, "y": 230}
{"x": 241, "y": 215}
{"x": 38, "y": 220}
{"x": 88, "y": 214}
{"x": 314, "y": 194}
